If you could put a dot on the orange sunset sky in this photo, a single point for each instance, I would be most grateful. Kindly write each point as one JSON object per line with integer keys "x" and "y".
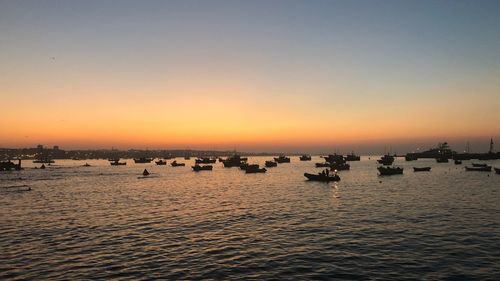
{"x": 254, "y": 76}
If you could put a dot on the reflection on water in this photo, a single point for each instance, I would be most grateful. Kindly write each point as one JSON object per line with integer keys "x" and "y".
{"x": 102, "y": 222}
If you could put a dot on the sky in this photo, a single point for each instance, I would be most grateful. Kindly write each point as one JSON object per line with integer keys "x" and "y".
{"x": 268, "y": 75}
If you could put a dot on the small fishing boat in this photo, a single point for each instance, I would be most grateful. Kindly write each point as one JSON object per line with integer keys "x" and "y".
{"x": 142, "y": 160}
{"x": 352, "y": 157}
{"x": 479, "y": 165}
{"x": 10, "y": 166}
{"x": 234, "y": 161}
{"x": 386, "y": 160}
{"x": 270, "y": 164}
{"x": 252, "y": 169}
{"x": 388, "y": 171}
{"x": 322, "y": 177}
{"x": 42, "y": 167}
{"x": 145, "y": 173}
{"x": 458, "y": 162}
{"x": 411, "y": 157}
{"x": 305, "y": 157}
{"x": 161, "y": 162}
{"x": 340, "y": 166}
{"x": 421, "y": 169}
{"x": 282, "y": 159}
{"x": 44, "y": 161}
{"x": 86, "y": 165}
{"x": 478, "y": 169}
{"x": 197, "y": 168}
{"x": 322, "y": 165}
{"x": 175, "y": 164}
{"x": 497, "y": 170}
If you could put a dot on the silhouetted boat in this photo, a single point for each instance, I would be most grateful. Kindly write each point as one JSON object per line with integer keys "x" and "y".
{"x": 234, "y": 161}
{"x": 352, "y": 157}
{"x": 86, "y": 165}
{"x": 411, "y": 157}
{"x": 305, "y": 157}
{"x": 145, "y": 173}
{"x": 252, "y": 169}
{"x": 422, "y": 169}
{"x": 270, "y": 164}
{"x": 282, "y": 159}
{"x": 386, "y": 160}
{"x": 175, "y": 164}
{"x": 10, "y": 166}
{"x": 118, "y": 163}
{"x": 44, "y": 161}
{"x": 142, "y": 160}
{"x": 388, "y": 171}
{"x": 205, "y": 160}
{"x": 497, "y": 170}
{"x": 197, "y": 168}
{"x": 161, "y": 162}
{"x": 42, "y": 167}
{"x": 320, "y": 165}
{"x": 479, "y": 165}
{"x": 321, "y": 177}
{"x": 340, "y": 166}
{"x": 334, "y": 158}
{"x": 478, "y": 169}
{"x": 458, "y": 162}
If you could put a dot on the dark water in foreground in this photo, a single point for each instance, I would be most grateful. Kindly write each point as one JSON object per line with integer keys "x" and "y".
{"x": 103, "y": 222}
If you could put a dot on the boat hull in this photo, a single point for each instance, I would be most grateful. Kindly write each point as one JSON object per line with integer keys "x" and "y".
{"x": 313, "y": 177}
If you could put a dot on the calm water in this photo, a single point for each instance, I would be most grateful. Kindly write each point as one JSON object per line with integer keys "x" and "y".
{"x": 103, "y": 222}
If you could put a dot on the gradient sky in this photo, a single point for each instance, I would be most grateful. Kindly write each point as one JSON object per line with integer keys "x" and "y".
{"x": 249, "y": 75}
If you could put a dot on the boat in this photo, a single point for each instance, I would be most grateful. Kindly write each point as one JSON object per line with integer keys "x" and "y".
{"x": 305, "y": 157}
{"x": 458, "y": 162}
{"x": 478, "y": 169}
{"x": 340, "y": 166}
{"x": 142, "y": 160}
{"x": 161, "y": 162}
{"x": 86, "y": 165}
{"x": 282, "y": 159}
{"x": 234, "y": 161}
{"x": 411, "y": 157}
{"x": 118, "y": 163}
{"x": 479, "y": 165}
{"x": 388, "y": 171}
{"x": 197, "y": 168}
{"x": 10, "y": 166}
{"x": 322, "y": 177}
{"x": 42, "y": 167}
{"x": 270, "y": 164}
{"x": 334, "y": 158}
{"x": 421, "y": 169}
{"x": 205, "y": 160}
{"x": 44, "y": 161}
{"x": 145, "y": 173}
{"x": 386, "y": 160}
{"x": 252, "y": 169}
{"x": 175, "y": 164}
{"x": 321, "y": 165}
{"x": 352, "y": 157}
{"x": 497, "y": 170}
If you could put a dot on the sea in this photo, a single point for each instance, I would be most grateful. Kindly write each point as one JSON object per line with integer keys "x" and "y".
{"x": 70, "y": 222}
